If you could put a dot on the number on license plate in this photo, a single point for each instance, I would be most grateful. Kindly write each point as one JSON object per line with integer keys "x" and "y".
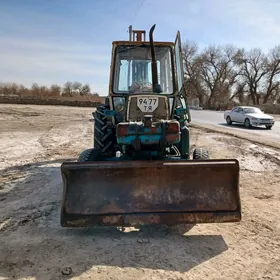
{"x": 147, "y": 104}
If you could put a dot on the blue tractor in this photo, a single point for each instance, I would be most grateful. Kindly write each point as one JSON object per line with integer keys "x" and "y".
{"x": 141, "y": 170}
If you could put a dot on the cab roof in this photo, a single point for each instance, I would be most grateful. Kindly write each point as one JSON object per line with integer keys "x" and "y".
{"x": 143, "y": 43}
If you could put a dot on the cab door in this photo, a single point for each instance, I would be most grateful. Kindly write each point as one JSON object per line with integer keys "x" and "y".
{"x": 180, "y": 75}
{"x": 179, "y": 62}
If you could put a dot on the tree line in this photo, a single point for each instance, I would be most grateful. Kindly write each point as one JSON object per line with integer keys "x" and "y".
{"x": 224, "y": 73}
{"x": 218, "y": 74}
{"x": 69, "y": 89}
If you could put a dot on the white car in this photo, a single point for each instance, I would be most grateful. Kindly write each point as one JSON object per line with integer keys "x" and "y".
{"x": 249, "y": 116}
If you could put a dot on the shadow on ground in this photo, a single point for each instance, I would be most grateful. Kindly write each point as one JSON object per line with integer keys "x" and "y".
{"x": 37, "y": 246}
{"x": 80, "y": 251}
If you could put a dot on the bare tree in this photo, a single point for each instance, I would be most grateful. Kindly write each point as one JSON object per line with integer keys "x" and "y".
{"x": 35, "y": 90}
{"x": 239, "y": 92}
{"x": 67, "y": 89}
{"x": 55, "y": 91}
{"x": 219, "y": 72}
{"x": 23, "y": 91}
{"x": 192, "y": 69}
{"x": 254, "y": 69}
{"x": 43, "y": 91}
{"x": 272, "y": 84}
{"x": 9, "y": 89}
{"x": 70, "y": 89}
{"x": 77, "y": 88}
{"x": 85, "y": 90}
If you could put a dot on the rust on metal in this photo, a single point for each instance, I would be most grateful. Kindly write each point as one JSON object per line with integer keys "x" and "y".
{"x": 140, "y": 35}
{"x": 168, "y": 219}
{"x": 146, "y": 192}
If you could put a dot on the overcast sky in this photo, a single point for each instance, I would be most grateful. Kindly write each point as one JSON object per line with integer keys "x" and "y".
{"x": 55, "y": 41}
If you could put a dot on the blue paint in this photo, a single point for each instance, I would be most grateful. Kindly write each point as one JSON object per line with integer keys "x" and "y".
{"x": 140, "y": 128}
{"x": 144, "y": 139}
{"x": 180, "y": 111}
{"x": 146, "y": 135}
{"x": 109, "y": 113}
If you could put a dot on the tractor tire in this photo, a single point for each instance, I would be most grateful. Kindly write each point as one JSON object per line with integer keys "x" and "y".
{"x": 90, "y": 155}
{"x": 200, "y": 154}
{"x": 104, "y": 139}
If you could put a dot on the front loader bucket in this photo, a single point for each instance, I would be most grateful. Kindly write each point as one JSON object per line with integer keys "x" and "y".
{"x": 131, "y": 193}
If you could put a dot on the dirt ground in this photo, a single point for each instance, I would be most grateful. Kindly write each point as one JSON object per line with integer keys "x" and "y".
{"x": 34, "y": 140}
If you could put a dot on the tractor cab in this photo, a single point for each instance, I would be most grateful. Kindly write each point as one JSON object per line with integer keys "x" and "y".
{"x": 133, "y": 69}
{"x": 150, "y": 70}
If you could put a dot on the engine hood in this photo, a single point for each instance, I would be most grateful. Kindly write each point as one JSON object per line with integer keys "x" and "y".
{"x": 259, "y": 116}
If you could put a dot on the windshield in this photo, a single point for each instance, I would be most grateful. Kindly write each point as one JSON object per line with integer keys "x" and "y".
{"x": 133, "y": 71}
{"x": 252, "y": 110}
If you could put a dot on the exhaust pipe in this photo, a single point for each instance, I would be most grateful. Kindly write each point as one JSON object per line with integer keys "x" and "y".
{"x": 156, "y": 86}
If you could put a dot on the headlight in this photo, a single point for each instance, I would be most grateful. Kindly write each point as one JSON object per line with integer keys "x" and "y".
{"x": 119, "y": 107}
{"x": 119, "y": 104}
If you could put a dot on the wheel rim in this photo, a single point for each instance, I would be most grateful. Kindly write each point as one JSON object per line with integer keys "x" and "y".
{"x": 247, "y": 123}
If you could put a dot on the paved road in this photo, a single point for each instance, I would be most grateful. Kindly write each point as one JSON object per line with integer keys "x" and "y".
{"x": 217, "y": 118}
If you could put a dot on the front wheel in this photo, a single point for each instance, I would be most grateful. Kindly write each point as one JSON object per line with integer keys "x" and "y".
{"x": 268, "y": 126}
{"x": 90, "y": 155}
{"x": 247, "y": 123}
{"x": 200, "y": 154}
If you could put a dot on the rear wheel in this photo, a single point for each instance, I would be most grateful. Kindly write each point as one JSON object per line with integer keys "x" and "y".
{"x": 104, "y": 139}
{"x": 228, "y": 119}
{"x": 90, "y": 155}
{"x": 200, "y": 154}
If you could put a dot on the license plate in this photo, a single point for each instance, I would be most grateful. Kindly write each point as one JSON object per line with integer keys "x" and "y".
{"x": 147, "y": 104}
